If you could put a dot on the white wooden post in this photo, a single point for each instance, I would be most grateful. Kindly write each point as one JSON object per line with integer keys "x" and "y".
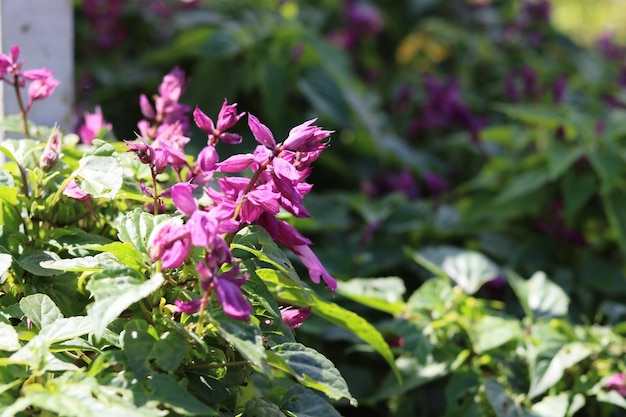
{"x": 44, "y": 30}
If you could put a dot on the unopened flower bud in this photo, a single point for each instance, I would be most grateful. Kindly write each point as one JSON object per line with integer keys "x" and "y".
{"x": 51, "y": 153}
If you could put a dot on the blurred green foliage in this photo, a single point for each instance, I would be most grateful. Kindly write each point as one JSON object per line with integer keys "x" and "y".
{"x": 475, "y": 125}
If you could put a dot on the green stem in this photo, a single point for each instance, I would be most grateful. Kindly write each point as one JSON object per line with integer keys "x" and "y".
{"x": 21, "y": 106}
{"x": 203, "y": 304}
{"x": 155, "y": 209}
{"x": 57, "y": 195}
{"x": 218, "y": 365}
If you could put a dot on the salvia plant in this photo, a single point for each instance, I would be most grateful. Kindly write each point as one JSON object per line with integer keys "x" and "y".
{"x": 138, "y": 280}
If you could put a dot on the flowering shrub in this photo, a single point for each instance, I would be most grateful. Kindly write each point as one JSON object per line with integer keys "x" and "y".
{"x": 140, "y": 280}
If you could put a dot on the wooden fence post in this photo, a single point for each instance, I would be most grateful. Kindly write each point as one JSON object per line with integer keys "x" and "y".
{"x": 44, "y": 30}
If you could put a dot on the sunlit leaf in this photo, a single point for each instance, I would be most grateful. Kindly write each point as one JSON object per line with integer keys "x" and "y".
{"x": 315, "y": 371}
{"x": 114, "y": 291}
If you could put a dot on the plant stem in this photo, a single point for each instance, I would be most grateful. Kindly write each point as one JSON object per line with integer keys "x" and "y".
{"x": 20, "y": 103}
{"x": 203, "y": 304}
{"x": 218, "y": 365}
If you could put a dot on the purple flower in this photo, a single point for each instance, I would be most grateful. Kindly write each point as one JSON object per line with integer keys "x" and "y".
{"x": 294, "y": 317}
{"x": 261, "y": 133}
{"x": 41, "y": 88}
{"x": 228, "y": 116}
{"x": 9, "y": 65}
{"x": 93, "y": 124}
{"x": 51, "y": 152}
{"x": 170, "y": 243}
{"x": 306, "y": 138}
{"x": 617, "y": 382}
{"x": 207, "y": 159}
{"x": 229, "y": 294}
{"x": 72, "y": 190}
{"x": 315, "y": 267}
{"x": 436, "y": 184}
{"x": 188, "y": 307}
{"x": 226, "y": 119}
{"x": 363, "y": 19}
{"x": 184, "y": 201}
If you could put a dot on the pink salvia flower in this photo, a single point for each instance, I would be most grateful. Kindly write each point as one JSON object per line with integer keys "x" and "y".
{"x": 171, "y": 244}
{"x": 230, "y": 297}
{"x": 315, "y": 267}
{"x": 617, "y": 382}
{"x": 9, "y": 64}
{"x": 261, "y": 133}
{"x": 41, "y": 88}
{"x": 228, "y": 116}
{"x": 93, "y": 124}
{"x": 294, "y": 317}
{"x": 72, "y": 190}
{"x": 184, "y": 201}
{"x": 306, "y": 138}
{"x": 188, "y": 307}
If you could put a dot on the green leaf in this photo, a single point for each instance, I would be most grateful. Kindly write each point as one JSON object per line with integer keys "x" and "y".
{"x": 608, "y": 164}
{"x": 258, "y": 407}
{"x": 137, "y": 227}
{"x": 100, "y": 171}
{"x": 303, "y": 402}
{"x": 169, "y": 351}
{"x": 523, "y": 184}
{"x": 40, "y": 309}
{"x": 502, "y": 403}
{"x": 138, "y": 345}
{"x": 324, "y": 95}
{"x": 548, "y": 364}
{"x": 469, "y": 269}
{"x": 257, "y": 242}
{"x": 247, "y": 339}
{"x": 430, "y": 295}
{"x": 114, "y": 291}
{"x": 461, "y": 392}
{"x": 172, "y": 394}
{"x": 615, "y": 208}
{"x": 415, "y": 374}
{"x": 384, "y": 294}
{"x": 5, "y": 263}
{"x": 314, "y": 370}
{"x": 78, "y": 395}
{"x": 490, "y": 332}
{"x": 85, "y": 263}
{"x": 8, "y": 194}
{"x": 546, "y": 116}
{"x": 540, "y": 297}
{"x": 577, "y": 191}
{"x": 9, "y": 339}
{"x": 66, "y": 328}
{"x": 333, "y": 313}
{"x": 552, "y": 406}
{"x": 31, "y": 261}
{"x": 561, "y": 157}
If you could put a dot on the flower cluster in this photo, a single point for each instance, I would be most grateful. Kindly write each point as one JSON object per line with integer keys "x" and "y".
{"x": 216, "y": 198}
{"x": 444, "y": 108}
{"x": 41, "y": 82}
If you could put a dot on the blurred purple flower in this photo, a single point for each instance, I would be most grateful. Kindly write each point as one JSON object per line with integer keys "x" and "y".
{"x": 40, "y": 87}
{"x": 609, "y": 48}
{"x": 436, "y": 184}
{"x": 444, "y": 109}
{"x": 617, "y": 382}
{"x": 93, "y": 124}
{"x": 554, "y": 225}
{"x": 402, "y": 182}
{"x": 363, "y": 18}
{"x": 188, "y": 307}
{"x": 72, "y": 190}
